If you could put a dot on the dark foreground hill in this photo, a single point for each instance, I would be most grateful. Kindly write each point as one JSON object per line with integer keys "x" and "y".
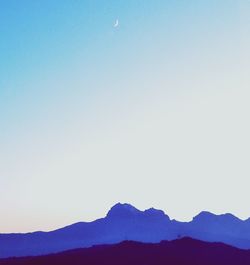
{"x": 185, "y": 251}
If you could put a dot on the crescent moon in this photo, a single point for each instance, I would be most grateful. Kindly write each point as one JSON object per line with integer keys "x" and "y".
{"x": 116, "y": 24}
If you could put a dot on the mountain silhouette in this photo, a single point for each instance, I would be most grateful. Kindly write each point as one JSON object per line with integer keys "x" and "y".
{"x": 185, "y": 251}
{"x": 125, "y": 222}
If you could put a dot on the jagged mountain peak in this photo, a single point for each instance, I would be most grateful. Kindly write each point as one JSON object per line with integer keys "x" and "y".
{"x": 125, "y": 209}
{"x": 122, "y": 209}
{"x": 155, "y": 212}
{"x": 208, "y": 216}
{"x": 204, "y": 215}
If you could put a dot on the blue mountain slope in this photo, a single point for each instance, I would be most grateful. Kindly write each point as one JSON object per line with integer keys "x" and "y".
{"x": 224, "y": 228}
{"x": 125, "y": 222}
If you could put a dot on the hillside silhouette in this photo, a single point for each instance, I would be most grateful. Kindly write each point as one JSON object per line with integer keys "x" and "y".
{"x": 185, "y": 251}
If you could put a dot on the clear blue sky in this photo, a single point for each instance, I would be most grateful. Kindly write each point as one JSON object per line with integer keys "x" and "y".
{"x": 153, "y": 112}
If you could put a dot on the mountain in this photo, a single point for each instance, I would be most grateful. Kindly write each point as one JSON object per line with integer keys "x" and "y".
{"x": 224, "y": 228}
{"x": 185, "y": 251}
{"x": 125, "y": 222}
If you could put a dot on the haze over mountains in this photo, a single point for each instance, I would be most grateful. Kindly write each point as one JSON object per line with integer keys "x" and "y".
{"x": 125, "y": 222}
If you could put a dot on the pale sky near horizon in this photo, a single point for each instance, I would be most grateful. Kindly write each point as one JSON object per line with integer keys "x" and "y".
{"x": 153, "y": 112}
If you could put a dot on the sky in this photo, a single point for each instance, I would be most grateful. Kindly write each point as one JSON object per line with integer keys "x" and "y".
{"x": 137, "y": 101}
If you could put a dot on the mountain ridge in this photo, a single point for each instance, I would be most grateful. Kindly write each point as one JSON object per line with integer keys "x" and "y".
{"x": 125, "y": 222}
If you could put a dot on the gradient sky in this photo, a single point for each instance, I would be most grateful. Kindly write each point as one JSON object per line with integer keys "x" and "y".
{"x": 154, "y": 112}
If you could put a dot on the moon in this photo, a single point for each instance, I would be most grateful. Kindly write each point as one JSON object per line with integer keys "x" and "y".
{"x": 116, "y": 24}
